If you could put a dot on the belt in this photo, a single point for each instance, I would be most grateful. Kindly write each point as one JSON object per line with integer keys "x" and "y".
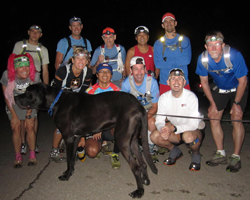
{"x": 227, "y": 91}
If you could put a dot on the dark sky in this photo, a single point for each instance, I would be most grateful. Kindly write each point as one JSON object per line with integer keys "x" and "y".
{"x": 193, "y": 20}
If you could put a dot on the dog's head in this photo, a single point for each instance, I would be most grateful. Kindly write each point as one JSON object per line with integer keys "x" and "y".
{"x": 34, "y": 97}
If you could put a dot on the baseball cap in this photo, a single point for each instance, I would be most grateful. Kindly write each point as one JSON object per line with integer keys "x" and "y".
{"x": 75, "y": 19}
{"x": 108, "y": 31}
{"x": 137, "y": 60}
{"x": 166, "y": 15}
{"x": 36, "y": 27}
{"x": 176, "y": 72}
{"x": 104, "y": 66}
{"x": 141, "y": 29}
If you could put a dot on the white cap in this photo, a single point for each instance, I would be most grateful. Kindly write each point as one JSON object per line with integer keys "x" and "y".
{"x": 137, "y": 60}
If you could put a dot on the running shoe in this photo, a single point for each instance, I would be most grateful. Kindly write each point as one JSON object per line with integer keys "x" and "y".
{"x": 115, "y": 163}
{"x": 106, "y": 150}
{"x": 234, "y": 164}
{"x": 154, "y": 158}
{"x": 171, "y": 161}
{"x": 217, "y": 159}
{"x": 24, "y": 149}
{"x": 56, "y": 156}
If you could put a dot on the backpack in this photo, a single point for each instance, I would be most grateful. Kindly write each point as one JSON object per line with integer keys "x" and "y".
{"x": 38, "y": 50}
{"x": 69, "y": 46}
{"x": 226, "y": 55}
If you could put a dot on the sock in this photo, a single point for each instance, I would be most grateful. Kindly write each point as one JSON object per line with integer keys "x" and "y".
{"x": 222, "y": 152}
{"x": 151, "y": 148}
{"x": 19, "y": 157}
{"x": 196, "y": 158}
{"x": 174, "y": 152}
{"x": 236, "y": 156}
{"x": 32, "y": 155}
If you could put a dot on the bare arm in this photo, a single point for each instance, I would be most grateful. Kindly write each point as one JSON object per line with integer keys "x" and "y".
{"x": 59, "y": 58}
{"x": 130, "y": 55}
{"x": 45, "y": 74}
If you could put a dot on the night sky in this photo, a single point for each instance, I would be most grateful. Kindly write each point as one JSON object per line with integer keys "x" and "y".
{"x": 194, "y": 21}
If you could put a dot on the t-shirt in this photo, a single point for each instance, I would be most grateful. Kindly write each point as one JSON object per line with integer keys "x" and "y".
{"x": 72, "y": 81}
{"x": 96, "y": 89}
{"x": 224, "y": 79}
{"x": 112, "y": 54}
{"x": 20, "y": 85}
{"x": 148, "y": 57}
{"x": 44, "y": 53}
{"x": 154, "y": 90}
{"x": 174, "y": 57}
{"x": 62, "y": 46}
{"x": 185, "y": 105}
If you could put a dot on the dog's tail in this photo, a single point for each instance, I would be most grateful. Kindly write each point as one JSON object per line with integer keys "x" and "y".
{"x": 144, "y": 137}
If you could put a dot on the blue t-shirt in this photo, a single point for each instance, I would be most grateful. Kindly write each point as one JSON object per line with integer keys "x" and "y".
{"x": 225, "y": 79}
{"x": 174, "y": 57}
{"x": 62, "y": 46}
{"x": 112, "y": 54}
{"x": 142, "y": 89}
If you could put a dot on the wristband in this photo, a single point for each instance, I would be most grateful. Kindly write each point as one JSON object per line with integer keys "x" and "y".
{"x": 237, "y": 102}
{"x": 28, "y": 117}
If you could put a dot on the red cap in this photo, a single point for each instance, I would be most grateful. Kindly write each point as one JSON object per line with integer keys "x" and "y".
{"x": 167, "y": 15}
{"x": 108, "y": 31}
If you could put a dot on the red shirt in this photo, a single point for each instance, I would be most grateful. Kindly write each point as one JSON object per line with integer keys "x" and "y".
{"x": 148, "y": 57}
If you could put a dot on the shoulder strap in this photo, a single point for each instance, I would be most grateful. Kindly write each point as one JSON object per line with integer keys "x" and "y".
{"x": 39, "y": 49}
{"x": 148, "y": 83}
{"x": 180, "y": 39}
{"x": 162, "y": 39}
{"x": 24, "y": 47}
{"x": 86, "y": 44}
{"x": 204, "y": 59}
{"x": 67, "y": 74}
{"x": 102, "y": 47}
{"x": 69, "y": 47}
{"x": 226, "y": 53}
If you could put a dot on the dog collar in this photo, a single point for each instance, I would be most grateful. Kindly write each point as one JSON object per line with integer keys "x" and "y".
{"x": 50, "y": 112}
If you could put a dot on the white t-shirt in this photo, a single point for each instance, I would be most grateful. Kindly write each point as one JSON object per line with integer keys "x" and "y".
{"x": 185, "y": 105}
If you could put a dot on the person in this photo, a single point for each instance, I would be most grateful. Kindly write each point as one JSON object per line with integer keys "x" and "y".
{"x": 40, "y": 56}
{"x": 38, "y": 52}
{"x": 77, "y": 76}
{"x": 142, "y": 49}
{"x": 93, "y": 145}
{"x": 145, "y": 88}
{"x": 229, "y": 72}
{"x": 65, "y": 46}
{"x": 171, "y": 51}
{"x": 173, "y": 130}
{"x": 20, "y": 73}
{"x": 111, "y": 53}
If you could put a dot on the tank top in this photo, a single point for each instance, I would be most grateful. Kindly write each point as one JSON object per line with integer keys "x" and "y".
{"x": 148, "y": 57}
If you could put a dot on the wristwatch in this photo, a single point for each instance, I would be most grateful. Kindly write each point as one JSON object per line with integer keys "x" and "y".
{"x": 237, "y": 102}
{"x": 175, "y": 129}
{"x": 28, "y": 117}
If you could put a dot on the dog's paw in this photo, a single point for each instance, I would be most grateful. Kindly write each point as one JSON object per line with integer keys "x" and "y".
{"x": 137, "y": 194}
{"x": 63, "y": 178}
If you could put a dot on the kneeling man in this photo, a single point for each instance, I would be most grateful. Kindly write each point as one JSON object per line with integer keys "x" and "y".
{"x": 174, "y": 130}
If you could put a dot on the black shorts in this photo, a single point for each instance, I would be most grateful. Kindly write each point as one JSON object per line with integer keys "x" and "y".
{"x": 221, "y": 99}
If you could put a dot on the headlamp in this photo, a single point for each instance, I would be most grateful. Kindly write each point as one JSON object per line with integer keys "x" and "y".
{"x": 36, "y": 28}
{"x": 214, "y": 38}
{"x": 75, "y": 19}
{"x": 176, "y": 72}
{"x": 141, "y": 29}
{"x": 80, "y": 54}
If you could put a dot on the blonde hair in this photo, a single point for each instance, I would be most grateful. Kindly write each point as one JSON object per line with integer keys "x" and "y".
{"x": 79, "y": 50}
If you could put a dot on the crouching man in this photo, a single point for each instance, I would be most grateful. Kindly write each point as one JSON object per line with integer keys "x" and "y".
{"x": 175, "y": 130}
